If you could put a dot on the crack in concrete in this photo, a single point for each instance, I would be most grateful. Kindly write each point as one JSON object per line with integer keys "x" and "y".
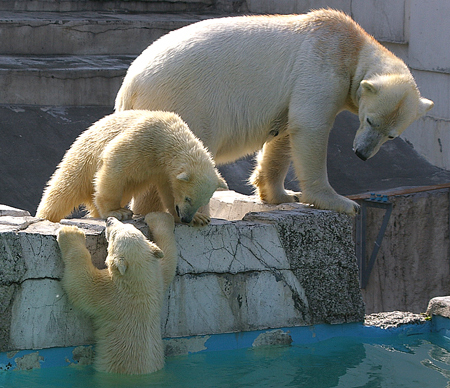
{"x": 22, "y": 281}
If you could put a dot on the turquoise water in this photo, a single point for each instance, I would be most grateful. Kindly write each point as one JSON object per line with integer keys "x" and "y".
{"x": 421, "y": 360}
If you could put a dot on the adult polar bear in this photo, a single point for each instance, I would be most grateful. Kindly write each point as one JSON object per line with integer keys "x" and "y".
{"x": 277, "y": 83}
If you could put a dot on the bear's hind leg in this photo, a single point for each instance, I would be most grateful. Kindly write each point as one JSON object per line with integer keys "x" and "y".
{"x": 273, "y": 164}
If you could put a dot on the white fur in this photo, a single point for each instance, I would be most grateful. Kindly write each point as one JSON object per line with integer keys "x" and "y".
{"x": 276, "y": 83}
{"x": 123, "y": 154}
{"x": 125, "y": 299}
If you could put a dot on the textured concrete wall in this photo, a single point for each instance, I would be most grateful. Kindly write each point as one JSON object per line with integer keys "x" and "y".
{"x": 430, "y": 61}
{"x": 413, "y": 264}
{"x": 281, "y": 268}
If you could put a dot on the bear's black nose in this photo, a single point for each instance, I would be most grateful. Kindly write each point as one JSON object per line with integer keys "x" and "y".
{"x": 359, "y": 155}
{"x": 186, "y": 220}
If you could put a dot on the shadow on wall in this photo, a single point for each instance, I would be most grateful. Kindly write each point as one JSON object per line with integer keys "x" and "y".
{"x": 34, "y": 140}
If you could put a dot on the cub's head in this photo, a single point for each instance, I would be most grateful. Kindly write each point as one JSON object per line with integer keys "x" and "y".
{"x": 388, "y": 104}
{"x": 128, "y": 249}
{"x": 193, "y": 188}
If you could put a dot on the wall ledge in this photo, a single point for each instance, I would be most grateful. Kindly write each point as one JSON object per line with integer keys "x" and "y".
{"x": 278, "y": 268}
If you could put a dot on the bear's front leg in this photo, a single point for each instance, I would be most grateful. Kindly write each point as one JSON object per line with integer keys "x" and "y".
{"x": 81, "y": 280}
{"x": 72, "y": 242}
{"x": 162, "y": 227}
{"x": 147, "y": 201}
{"x": 121, "y": 214}
{"x": 109, "y": 191}
{"x": 309, "y": 154}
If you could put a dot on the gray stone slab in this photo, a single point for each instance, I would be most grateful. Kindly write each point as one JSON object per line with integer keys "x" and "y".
{"x": 108, "y": 5}
{"x": 61, "y": 80}
{"x": 84, "y": 33}
{"x": 394, "y": 319}
{"x": 439, "y": 306}
{"x": 229, "y": 247}
{"x": 11, "y": 211}
{"x": 311, "y": 245}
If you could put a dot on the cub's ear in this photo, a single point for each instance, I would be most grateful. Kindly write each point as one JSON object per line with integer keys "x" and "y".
{"x": 424, "y": 106}
{"x": 120, "y": 263}
{"x": 369, "y": 87}
{"x": 183, "y": 176}
{"x": 222, "y": 185}
{"x": 157, "y": 253}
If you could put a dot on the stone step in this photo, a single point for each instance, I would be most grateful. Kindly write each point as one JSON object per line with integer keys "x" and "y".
{"x": 74, "y": 58}
{"x": 62, "y": 80}
{"x": 80, "y": 33}
{"x": 105, "y": 5}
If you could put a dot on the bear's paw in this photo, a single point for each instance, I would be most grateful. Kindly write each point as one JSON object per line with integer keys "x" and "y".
{"x": 200, "y": 219}
{"x": 121, "y": 214}
{"x": 68, "y": 236}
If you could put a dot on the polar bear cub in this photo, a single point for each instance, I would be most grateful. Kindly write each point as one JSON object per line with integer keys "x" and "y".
{"x": 124, "y": 300}
{"x": 124, "y": 154}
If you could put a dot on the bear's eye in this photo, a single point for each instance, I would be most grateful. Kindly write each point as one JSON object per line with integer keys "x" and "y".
{"x": 368, "y": 121}
{"x": 188, "y": 200}
{"x": 391, "y": 137}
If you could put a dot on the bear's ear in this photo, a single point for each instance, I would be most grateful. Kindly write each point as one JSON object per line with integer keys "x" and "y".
{"x": 222, "y": 185}
{"x": 120, "y": 263}
{"x": 157, "y": 253}
{"x": 424, "y": 106}
{"x": 183, "y": 176}
{"x": 369, "y": 87}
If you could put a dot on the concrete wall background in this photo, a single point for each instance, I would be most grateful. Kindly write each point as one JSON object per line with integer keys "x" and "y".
{"x": 413, "y": 263}
{"x": 417, "y": 32}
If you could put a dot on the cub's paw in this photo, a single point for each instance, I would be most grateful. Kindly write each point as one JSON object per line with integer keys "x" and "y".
{"x": 200, "y": 219}
{"x": 69, "y": 235}
{"x": 159, "y": 219}
{"x": 121, "y": 214}
{"x": 69, "y": 231}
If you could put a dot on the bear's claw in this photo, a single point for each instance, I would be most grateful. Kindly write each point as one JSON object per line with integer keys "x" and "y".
{"x": 200, "y": 219}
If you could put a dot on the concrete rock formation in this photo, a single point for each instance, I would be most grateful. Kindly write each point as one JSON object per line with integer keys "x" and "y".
{"x": 270, "y": 270}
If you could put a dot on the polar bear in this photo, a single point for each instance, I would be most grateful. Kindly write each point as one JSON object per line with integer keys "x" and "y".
{"x": 121, "y": 155}
{"x": 277, "y": 82}
{"x": 125, "y": 299}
